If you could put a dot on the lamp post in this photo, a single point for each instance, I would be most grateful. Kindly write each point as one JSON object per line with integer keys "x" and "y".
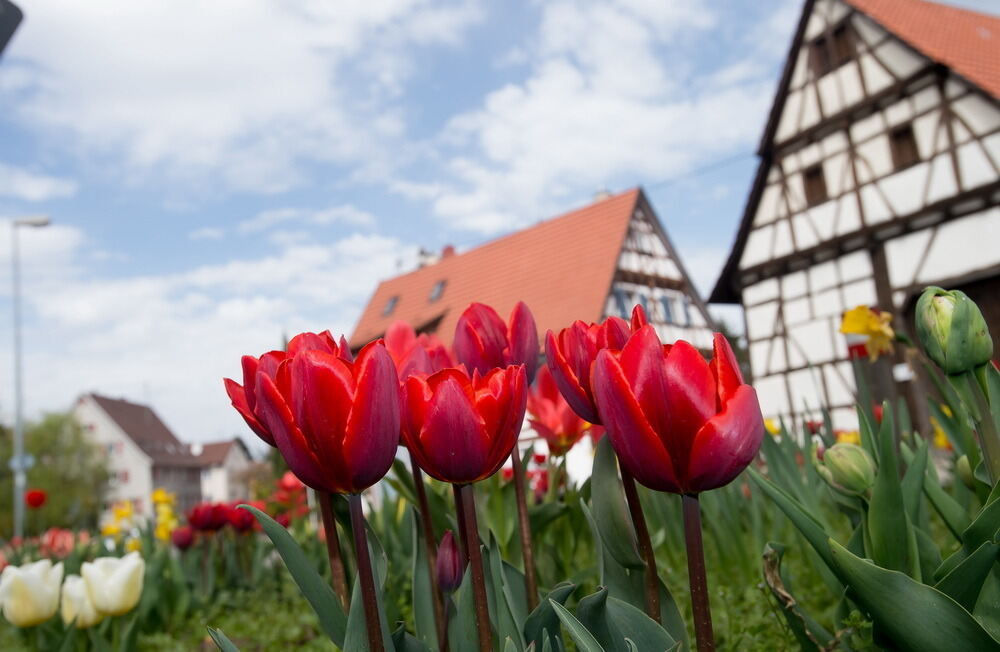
{"x": 19, "y": 462}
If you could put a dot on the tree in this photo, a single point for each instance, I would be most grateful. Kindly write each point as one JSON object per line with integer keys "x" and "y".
{"x": 69, "y": 467}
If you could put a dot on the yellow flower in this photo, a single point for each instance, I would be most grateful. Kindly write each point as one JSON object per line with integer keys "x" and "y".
{"x": 940, "y": 438}
{"x": 122, "y": 510}
{"x": 132, "y": 545}
{"x": 873, "y": 324}
{"x": 164, "y": 530}
{"x": 163, "y": 497}
{"x": 848, "y": 437}
{"x": 111, "y": 529}
{"x": 946, "y": 410}
{"x": 772, "y": 427}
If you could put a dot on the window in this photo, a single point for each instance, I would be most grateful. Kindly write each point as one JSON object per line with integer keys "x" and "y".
{"x": 621, "y": 302}
{"x": 904, "y": 147}
{"x": 843, "y": 45}
{"x": 668, "y": 309}
{"x": 390, "y": 305}
{"x": 436, "y": 291}
{"x": 828, "y": 54}
{"x": 819, "y": 55}
{"x": 815, "y": 185}
{"x": 687, "y": 311}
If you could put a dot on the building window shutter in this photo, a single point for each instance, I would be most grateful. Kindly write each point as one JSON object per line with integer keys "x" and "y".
{"x": 815, "y": 185}
{"x": 904, "y": 147}
{"x": 843, "y": 45}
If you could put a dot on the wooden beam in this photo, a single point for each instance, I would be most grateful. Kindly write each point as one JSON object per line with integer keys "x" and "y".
{"x": 650, "y": 280}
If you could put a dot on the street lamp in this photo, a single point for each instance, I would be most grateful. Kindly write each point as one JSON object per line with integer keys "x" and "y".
{"x": 19, "y": 463}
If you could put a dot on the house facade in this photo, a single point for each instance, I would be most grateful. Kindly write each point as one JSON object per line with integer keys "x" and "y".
{"x": 225, "y": 470}
{"x": 142, "y": 453}
{"x": 588, "y": 264}
{"x": 879, "y": 175}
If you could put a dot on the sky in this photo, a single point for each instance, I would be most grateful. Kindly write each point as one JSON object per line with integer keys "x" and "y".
{"x": 220, "y": 175}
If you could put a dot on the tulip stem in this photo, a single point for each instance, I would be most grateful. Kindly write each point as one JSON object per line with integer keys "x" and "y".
{"x": 465, "y": 498}
{"x": 696, "y": 574}
{"x": 431, "y": 542}
{"x": 530, "y": 583}
{"x": 460, "y": 517}
{"x": 338, "y": 578}
{"x": 645, "y": 545}
{"x": 375, "y": 643}
{"x": 989, "y": 438}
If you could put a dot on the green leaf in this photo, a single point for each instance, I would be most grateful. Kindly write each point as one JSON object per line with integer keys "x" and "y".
{"x": 965, "y": 581}
{"x": 609, "y": 509}
{"x": 129, "y": 635}
{"x": 222, "y": 641}
{"x": 801, "y": 519}
{"x": 68, "y": 643}
{"x": 913, "y": 482}
{"x": 951, "y": 512}
{"x": 610, "y": 620}
{"x": 888, "y": 524}
{"x": 585, "y": 641}
{"x": 913, "y": 616}
{"x": 811, "y": 636}
{"x": 543, "y": 619}
{"x": 403, "y": 641}
{"x": 506, "y": 625}
{"x": 541, "y": 516}
{"x": 316, "y": 591}
{"x": 423, "y": 596}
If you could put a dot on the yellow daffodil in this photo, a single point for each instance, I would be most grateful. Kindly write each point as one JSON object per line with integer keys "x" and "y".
{"x": 111, "y": 529}
{"x": 940, "y": 438}
{"x": 873, "y": 324}
{"x": 122, "y": 510}
{"x": 848, "y": 437}
{"x": 163, "y": 497}
{"x": 772, "y": 427}
{"x": 133, "y": 545}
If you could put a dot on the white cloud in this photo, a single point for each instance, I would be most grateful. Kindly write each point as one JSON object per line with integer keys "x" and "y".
{"x": 237, "y": 91}
{"x": 344, "y": 213}
{"x": 207, "y": 233}
{"x": 31, "y": 186}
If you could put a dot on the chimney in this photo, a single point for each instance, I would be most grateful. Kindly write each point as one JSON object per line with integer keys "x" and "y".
{"x": 601, "y": 195}
{"x": 448, "y": 251}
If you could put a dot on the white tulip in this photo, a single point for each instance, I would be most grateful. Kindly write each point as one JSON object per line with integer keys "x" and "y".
{"x": 29, "y": 594}
{"x": 77, "y": 606}
{"x": 114, "y": 584}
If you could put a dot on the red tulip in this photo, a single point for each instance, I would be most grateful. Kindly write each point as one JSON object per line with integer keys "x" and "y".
{"x": 35, "y": 498}
{"x": 244, "y": 397}
{"x": 241, "y": 519}
{"x": 483, "y": 342}
{"x": 507, "y": 473}
{"x": 461, "y": 429}
{"x": 449, "y": 566}
{"x": 335, "y": 422}
{"x": 182, "y": 537}
{"x": 284, "y": 520}
{"x": 539, "y": 458}
{"x": 208, "y": 517}
{"x": 552, "y": 417}
{"x": 414, "y": 353}
{"x": 678, "y": 423}
{"x": 570, "y": 355}
{"x": 289, "y": 483}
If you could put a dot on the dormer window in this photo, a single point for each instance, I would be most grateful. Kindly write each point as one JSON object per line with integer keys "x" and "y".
{"x": 815, "y": 185}
{"x": 829, "y": 52}
{"x": 390, "y": 305}
{"x": 437, "y": 291}
{"x": 903, "y": 145}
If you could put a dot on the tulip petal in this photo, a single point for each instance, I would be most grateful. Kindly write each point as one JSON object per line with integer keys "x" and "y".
{"x": 690, "y": 401}
{"x": 524, "y": 340}
{"x": 727, "y": 443}
{"x": 613, "y": 333}
{"x": 566, "y": 378}
{"x": 639, "y": 318}
{"x": 373, "y": 426}
{"x": 726, "y": 369}
{"x": 312, "y": 342}
{"x": 399, "y": 339}
{"x": 511, "y": 387}
{"x": 322, "y": 395}
{"x": 239, "y": 398}
{"x": 250, "y": 365}
{"x": 642, "y": 360}
{"x": 480, "y": 339}
{"x": 640, "y": 451}
{"x": 452, "y": 439}
{"x": 293, "y": 446}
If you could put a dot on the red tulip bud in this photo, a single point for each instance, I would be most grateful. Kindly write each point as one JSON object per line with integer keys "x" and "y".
{"x": 450, "y": 566}
{"x": 241, "y": 519}
{"x": 414, "y": 353}
{"x": 35, "y": 498}
{"x": 182, "y": 537}
{"x": 483, "y": 342}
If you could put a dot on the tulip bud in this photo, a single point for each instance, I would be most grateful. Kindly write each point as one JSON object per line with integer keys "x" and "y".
{"x": 114, "y": 584}
{"x": 77, "y": 607}
{"x": 450, "y": 567}
{"x": 29, "y": 594}
{"x": 847, "y": 468}
{"x": 952, "y": 330}
{"x": 182, "y": 537}
{"x": 963, "y": 469}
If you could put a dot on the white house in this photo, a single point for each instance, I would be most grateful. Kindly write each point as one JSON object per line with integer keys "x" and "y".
{"x": 142, "y": 453}
{"x": 225, "y": 467}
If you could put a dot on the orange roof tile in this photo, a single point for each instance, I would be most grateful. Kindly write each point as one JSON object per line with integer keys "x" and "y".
{"x": 966, "y": 41}
{"x": 562, "y": 268}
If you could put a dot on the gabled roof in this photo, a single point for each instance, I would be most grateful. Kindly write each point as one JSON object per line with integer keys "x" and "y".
{"x": 146, "y": 429}
{"x": 562, "y": 268}
{"x": 967, "y": 42}
{"x": 215, "y": 453}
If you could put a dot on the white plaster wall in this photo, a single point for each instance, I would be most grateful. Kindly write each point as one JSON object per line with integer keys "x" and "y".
{"x": 215, "y": 484}
{"x": 123, "y": 454}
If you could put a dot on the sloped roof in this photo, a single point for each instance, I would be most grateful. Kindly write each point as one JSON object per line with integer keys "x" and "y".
{"x": 146, "y": 429}
{"x": 967, "y": 42}
{"x": 562, "y": 268}
{"x": 214, "y": 453}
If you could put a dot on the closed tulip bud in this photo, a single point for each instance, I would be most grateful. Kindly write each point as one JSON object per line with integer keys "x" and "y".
{"x": 114, "y": 584}
{"x": 963, "y": 469}
{"x": 848, "y": 468}
{"x": 77, "y": 607}
{"x": 677, "y": 422}
{"x": 450, "y": 566}
{"x": 461, "y": 429}
{"x": 242, "y": 520}
{"x": 952, "y": 330}
{"x": 412, "y": 353}
{"x": 483, "y": 341}
{"x": 182, "y": 537}
{"x": 29, "y": 594}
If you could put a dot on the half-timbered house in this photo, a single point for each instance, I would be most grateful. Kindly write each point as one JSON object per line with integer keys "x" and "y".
{"x": 878, "y": 176}
{"x": 587, "y": 264}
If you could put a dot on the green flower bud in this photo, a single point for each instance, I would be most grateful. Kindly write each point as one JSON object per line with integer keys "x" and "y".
{"x": 848, "y": 468}
{"x": 952, "y": 330}
{"x": 963, "y": 469}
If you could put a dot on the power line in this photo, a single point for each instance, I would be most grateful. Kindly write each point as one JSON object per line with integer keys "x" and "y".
{"x": 708, "y": 167}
